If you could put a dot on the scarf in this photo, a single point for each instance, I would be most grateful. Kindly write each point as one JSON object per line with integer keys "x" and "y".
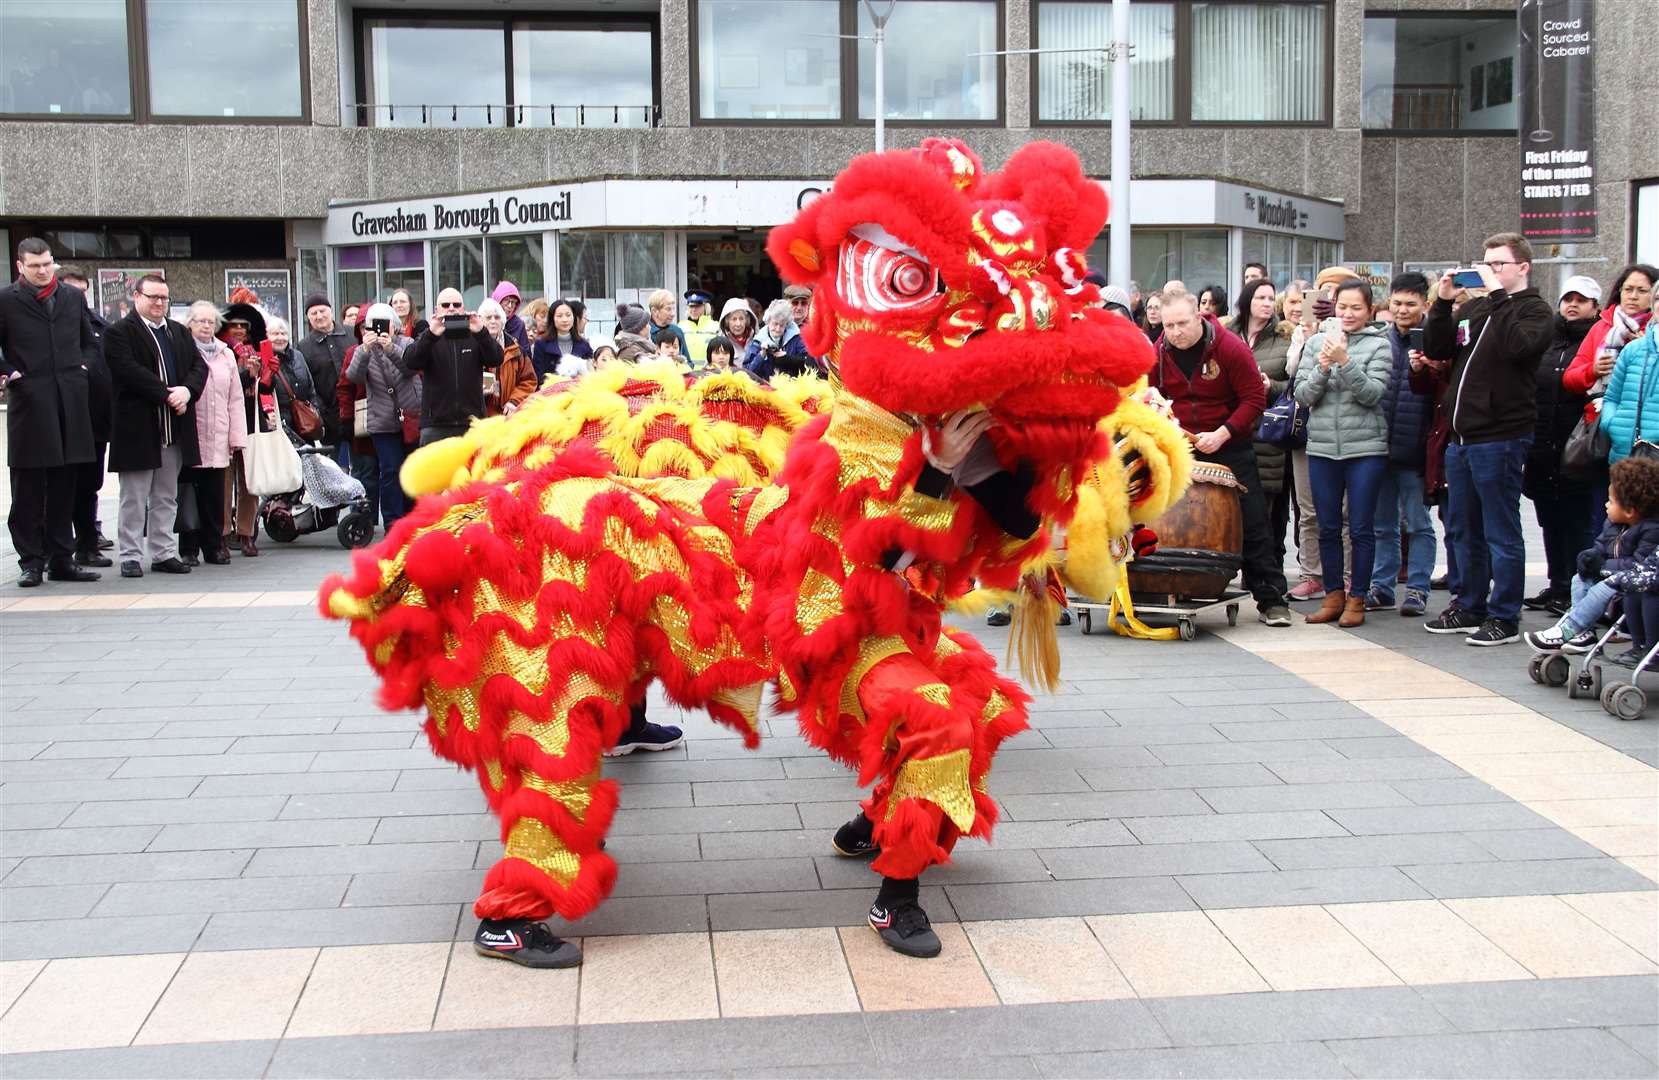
{"x": 45, "y": 294}
{"x": 1626, "y": 328}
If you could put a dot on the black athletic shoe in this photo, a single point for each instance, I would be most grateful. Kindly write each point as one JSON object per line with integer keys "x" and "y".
{"x": 1541, "y": 600}
{"x": 1495, "y": 632}
{"x": 524, "y": 942}
{"x": 1439, "y": 584}
{"x": 999, "y": 617}
{"x": 1629, "y": 658}
{"x": 853, "y": 840}
{"x": 92, "y": 558}
{"x": 129, "y": 568}
{"x": 1454, "y": 621}
{"x": 1064, "y": 619}
{"x": 904, "y": 929}
{"x": 653, "y": 737}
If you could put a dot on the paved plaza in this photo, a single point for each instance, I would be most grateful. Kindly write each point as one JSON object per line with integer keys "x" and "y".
{"x": 1303, "y": 852}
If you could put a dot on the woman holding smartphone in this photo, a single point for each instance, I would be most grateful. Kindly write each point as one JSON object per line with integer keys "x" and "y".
{"x": 1343, "y": 373}
{"x": 394, "y": 396}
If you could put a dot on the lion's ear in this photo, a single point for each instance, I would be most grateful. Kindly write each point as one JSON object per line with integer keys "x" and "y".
{"x": 795, "y": 250}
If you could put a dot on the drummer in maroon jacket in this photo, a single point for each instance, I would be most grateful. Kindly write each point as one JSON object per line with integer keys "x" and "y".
{"x": 1210, "y": 377}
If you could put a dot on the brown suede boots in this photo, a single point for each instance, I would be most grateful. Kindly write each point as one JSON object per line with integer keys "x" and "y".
{"x": 1340, "y": 608}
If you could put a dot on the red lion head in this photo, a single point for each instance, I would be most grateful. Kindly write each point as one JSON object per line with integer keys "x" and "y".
{"x": 938, "y": 286}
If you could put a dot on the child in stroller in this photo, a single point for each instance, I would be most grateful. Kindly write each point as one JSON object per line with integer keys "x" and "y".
{"x": 330, "y": 499}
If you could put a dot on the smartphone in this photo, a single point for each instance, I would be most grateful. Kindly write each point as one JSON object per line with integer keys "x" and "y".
{"x": 380, "y": 326}
{"x": 1415, "y": 336}
{"x": 489, "y": 383}
{"x": 1468, "y": 278}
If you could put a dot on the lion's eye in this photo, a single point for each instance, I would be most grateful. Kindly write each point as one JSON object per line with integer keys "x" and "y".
{"x": 878, "y": 278}
{"x": 909, "y": 278}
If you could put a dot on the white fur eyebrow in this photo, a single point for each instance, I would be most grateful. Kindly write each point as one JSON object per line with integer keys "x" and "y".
{"x": 881, "y": 238}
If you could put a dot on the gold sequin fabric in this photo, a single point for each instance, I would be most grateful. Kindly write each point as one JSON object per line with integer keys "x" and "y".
{"x": 941, "y": 780}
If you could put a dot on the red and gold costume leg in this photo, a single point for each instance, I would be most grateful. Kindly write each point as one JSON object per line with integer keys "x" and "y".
{"x": 932, "y": 729}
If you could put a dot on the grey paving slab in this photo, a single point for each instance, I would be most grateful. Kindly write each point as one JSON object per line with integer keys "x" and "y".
{"x": 296, "y": 783}
{"x": 426, "y": 780}
{"x": 653, "y": 769}
{"x": 937, "y": 1035}
{"x": 1547, "y": 1003}
{"x": 1275, "y": 888}
{"x": 1529, "y": 844}
{"x": 1407, "y": 819}
{"x": 23, "y": 843}
{"x": 1644, "y": 1039}
{"x": 413, "y": 887}
{"x": 1358, "y": 727}
{"x": 1563, "y": 1053}
{"x": 1089, "y": 896}
{"x": 1153, "y": 860}
{"x": 1340, "y": 769}
{"x": 842, "y": 789}
{"x": 374, "y": 740}
{"x": 817, "y": 907}
{"x": 970, "y": 864}
{"x": 627, "y": 915}
{"x": 36, "y": 815}
{"x": 1272, "y": 825}
{"x": 1130, "y": 736}
{"x": 13, "y": 793}
{"x": 980, "y": 1068}
{"x": 1339, "y": 851}
{"x": 222, "y": 894}
{"x": 771, "y": 844}
{"x": 705, "y": 819}
{"x": 1079, "y": 757}
{"x": 61, "y": 769}
{"x": 1297, "y": 1016}
{"x": 1268, "y": 1061}
{"x": 263, "y": 834}
{"x": 1103, "y": 804}
{"x": 371, "y": 760}
{"x": 186, "y": 1061}
{"x": 1238, "y": 774}
{"x": 1448, "y": 792}
{"x": 1094, "y": 715}
{"x": 329, "y": 926}
{"x": 19, "y": 904}
{"x": 142, "y": 866}
{"x": 680, "y": 1047}
{"x": 239, "y": 726}
{"x": 1074, "y": 833}
{"x": 437, "y": 828}
{"x": 1518, "y": 878}
{"x": 511, "y": 1052}
{"x": 1034, "y": 781}
{"x": 735, "y": 875}
{"x": 171, "y": 811}
{"x": 362, "y": 859}
{"x": 214, "y": 765}
{"x": 53, "y": 731}
{"x": 1236, "y": 800}
{"x": 46, "y": 939}
{"x": 1319, "y": 710}
{"x": 1220, "y": 752}
{"x": 317, "y": 807}
{"x": 1381, "y": 747}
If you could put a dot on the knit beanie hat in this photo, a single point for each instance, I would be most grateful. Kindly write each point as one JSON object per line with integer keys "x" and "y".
{"x": 316, "y": 299}
{"x": 631, "y": 321}
{"x": 1332, "y": 276}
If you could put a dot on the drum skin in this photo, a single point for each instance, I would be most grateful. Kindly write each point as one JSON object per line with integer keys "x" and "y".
{"x": 1200, "y": 540}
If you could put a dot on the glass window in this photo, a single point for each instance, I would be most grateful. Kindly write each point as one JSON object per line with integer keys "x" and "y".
{"x": 403, "y": 266}
{"x": 582, "y": 265}
{"x": 591, "y": 78}
{"x": 434, "y": 73}
{"x": 640, "y": 256}
{"x": 193, "y": 74}
{"x": 930, "y": 74}
{"x": 313, "y": 271}
{"x": 354, "y": 275}
{"x": 1078, "y": 86}
{"x": 518, "y": 259}
{"x": 1439, "y": 74}
{"x": 459, "y": 264}
{"x": 1644, "y": 223}
{"x": 1259, "y": 62}
{"x": 765, "y": 60}
{"x": 64, "y": 58}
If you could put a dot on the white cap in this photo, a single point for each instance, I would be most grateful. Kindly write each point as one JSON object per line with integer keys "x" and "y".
{"x": 381, "y": 311}
{"x": 1583, "y": 285}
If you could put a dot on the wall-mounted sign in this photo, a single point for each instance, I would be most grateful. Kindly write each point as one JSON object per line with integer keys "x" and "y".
{"x": 1558, "y": 120}
{"x": 1275, "y": 211}
{"x": 1378, "y": 275}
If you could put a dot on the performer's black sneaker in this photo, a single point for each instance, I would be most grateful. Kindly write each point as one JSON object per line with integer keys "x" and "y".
{"x": 525, "y": 942}
{"x": 904, "y": 928}
{"x": 650, "y": 737}
{"x": 854, "y": 839}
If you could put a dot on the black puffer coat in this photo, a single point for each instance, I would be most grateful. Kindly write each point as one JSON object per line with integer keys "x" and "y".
{"x": 1409, "y": 413}
{"x": 1559, "y": 411}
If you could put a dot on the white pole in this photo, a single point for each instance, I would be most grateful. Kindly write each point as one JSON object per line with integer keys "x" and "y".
{"x": 1119, "y": 272}
{"x": 881, "y": 84}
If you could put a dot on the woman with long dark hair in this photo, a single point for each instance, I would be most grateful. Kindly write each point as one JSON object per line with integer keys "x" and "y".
{"x": 561, "y": 349}
{"x": 1256, "y": 320}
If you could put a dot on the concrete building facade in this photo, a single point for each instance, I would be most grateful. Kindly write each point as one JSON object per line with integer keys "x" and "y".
{"x": 1275, "y": 101}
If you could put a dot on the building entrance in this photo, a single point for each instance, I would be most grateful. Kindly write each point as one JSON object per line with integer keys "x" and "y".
{"x": 728, "y": 264}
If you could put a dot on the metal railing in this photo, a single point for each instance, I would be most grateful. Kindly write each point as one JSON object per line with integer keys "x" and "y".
{"x": 369, "y": 114}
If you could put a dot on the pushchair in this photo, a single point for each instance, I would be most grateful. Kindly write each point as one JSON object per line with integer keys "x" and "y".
{"x": 331, "y": 499}
{"x": 1620, "y": 693}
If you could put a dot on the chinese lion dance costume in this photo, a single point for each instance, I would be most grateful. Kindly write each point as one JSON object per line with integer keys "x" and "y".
{"x": 716, "y": 535}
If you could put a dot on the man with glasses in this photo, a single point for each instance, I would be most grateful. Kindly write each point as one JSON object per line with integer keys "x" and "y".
{"x": 455, "y": 357}
{"x": 50, "y": 352}
{"x": 1494, "y": 342}
{"x": 157, "y": 374}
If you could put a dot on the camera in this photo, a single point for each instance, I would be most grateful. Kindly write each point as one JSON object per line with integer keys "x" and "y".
{"x": 456, "y": 323}
{"x": 380, "y": 326}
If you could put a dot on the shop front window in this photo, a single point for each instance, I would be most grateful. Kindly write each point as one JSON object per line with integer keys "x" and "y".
{"x": 192, "y": 74}
{"x": 355, "y": 279}
{"x": 1078, "y": 85}
{"x": 518, "y": 259}
{"x": 1435, "y": 74}
{"x": 64, "y": 59}
{"x": 582, "y": 77}
{"x": 640, "y": 256}
{"x": 582, "y": 265}
{"x": 459, "y": 264}
{"x": 434, "y": 73}
{"x": 403, "y": 266}
{"x": 932, "y": 73}
{"x": 762, "y": 60}
{"x": 1259, "y": 62}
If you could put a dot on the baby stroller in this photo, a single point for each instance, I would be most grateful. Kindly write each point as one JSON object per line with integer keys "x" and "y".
{"x": 1598, "y": 677}
{"x": 330, "y": 499}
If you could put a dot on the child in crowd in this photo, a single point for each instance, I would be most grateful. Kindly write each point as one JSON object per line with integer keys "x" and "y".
{"x": 668, "y": 346}
{"x": 1627, "y": 541}
{"x": 722, "y": 355}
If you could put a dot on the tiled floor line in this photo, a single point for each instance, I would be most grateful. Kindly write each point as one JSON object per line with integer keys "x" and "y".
{"x": 374, "y": 989}
{"x": 151, "y": 601}
{"x": 1556, "y": 772}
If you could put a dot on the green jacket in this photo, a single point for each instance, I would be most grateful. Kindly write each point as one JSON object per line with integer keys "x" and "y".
{"x": 1272, "y": 353}
{"x": 1345, "y": 416}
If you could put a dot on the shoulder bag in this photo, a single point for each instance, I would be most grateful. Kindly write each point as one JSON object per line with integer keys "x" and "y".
{"x": 307, "y": 424}
{"x": 1284, "y": 423}
{"x": 1640, "y": 447}
{"x": 270, "y": 464}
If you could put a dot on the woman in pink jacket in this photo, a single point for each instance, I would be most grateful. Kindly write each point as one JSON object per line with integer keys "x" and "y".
{"x": 221, "y": 429}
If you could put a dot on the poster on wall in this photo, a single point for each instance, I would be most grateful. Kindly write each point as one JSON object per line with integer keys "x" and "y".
{"x": 115, "y": 291}
{"x": 1378, "y": 275}
{"x": 1430, "y": 270}
{"x": 270, "y": 290}
{"x": 1556, "y": 63}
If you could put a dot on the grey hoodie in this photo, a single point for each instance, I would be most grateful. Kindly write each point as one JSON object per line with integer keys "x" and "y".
{"x": 1345, "y": 415}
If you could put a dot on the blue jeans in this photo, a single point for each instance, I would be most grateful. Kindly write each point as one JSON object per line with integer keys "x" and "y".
{"x": 1589, "y": 604}
{"x": 390, "y": 451}
{"x": 1358, "y": 480}
{"x": 1400, "y": 495}
{"x": 1484, "y": 494}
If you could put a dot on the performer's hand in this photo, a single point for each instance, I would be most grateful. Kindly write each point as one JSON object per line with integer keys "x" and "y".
{"x": 957, "y": 435}
{"x": 1208, "y": 442}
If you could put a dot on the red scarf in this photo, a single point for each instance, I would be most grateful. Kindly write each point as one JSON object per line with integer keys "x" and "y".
{"x": 51, "y": 287}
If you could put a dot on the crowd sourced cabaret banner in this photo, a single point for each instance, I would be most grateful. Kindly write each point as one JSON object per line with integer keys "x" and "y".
{"x": 1556, "y": 62}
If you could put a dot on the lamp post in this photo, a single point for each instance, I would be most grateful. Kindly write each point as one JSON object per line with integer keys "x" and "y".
{"x": 879, "y": 21}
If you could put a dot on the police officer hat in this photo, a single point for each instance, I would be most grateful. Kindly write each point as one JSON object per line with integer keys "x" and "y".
{"x": 697, "y": 296}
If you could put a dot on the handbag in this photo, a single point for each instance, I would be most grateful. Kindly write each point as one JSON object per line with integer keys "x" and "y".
{"x": 1284, "y": 423}
{"x": 360, "y": 418}
{"x": 1641, "y": 448}
{"x": 270, "y": 464}
{"x": 1584, "y": 454}
{"x": 188, "y": 519}
{"x": 307, "y": 424}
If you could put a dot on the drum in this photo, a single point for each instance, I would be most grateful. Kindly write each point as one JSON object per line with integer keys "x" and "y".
{"x": 1200, "y": 540}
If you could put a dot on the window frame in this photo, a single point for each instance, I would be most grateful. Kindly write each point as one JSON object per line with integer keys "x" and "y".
{"x": 1460, "y": 15}
{"x": 650, "y": 22}
{"x": 848, "y": 10}
{"x": 138, "y": 83}
{"x": 1182, "y": 102}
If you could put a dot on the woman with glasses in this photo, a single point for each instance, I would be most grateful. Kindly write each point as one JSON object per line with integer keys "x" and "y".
{"x": 221, "y": 430}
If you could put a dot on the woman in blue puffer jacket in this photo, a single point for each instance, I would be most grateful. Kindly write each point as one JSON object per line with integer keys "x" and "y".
{"x": 1633, "y": 388}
